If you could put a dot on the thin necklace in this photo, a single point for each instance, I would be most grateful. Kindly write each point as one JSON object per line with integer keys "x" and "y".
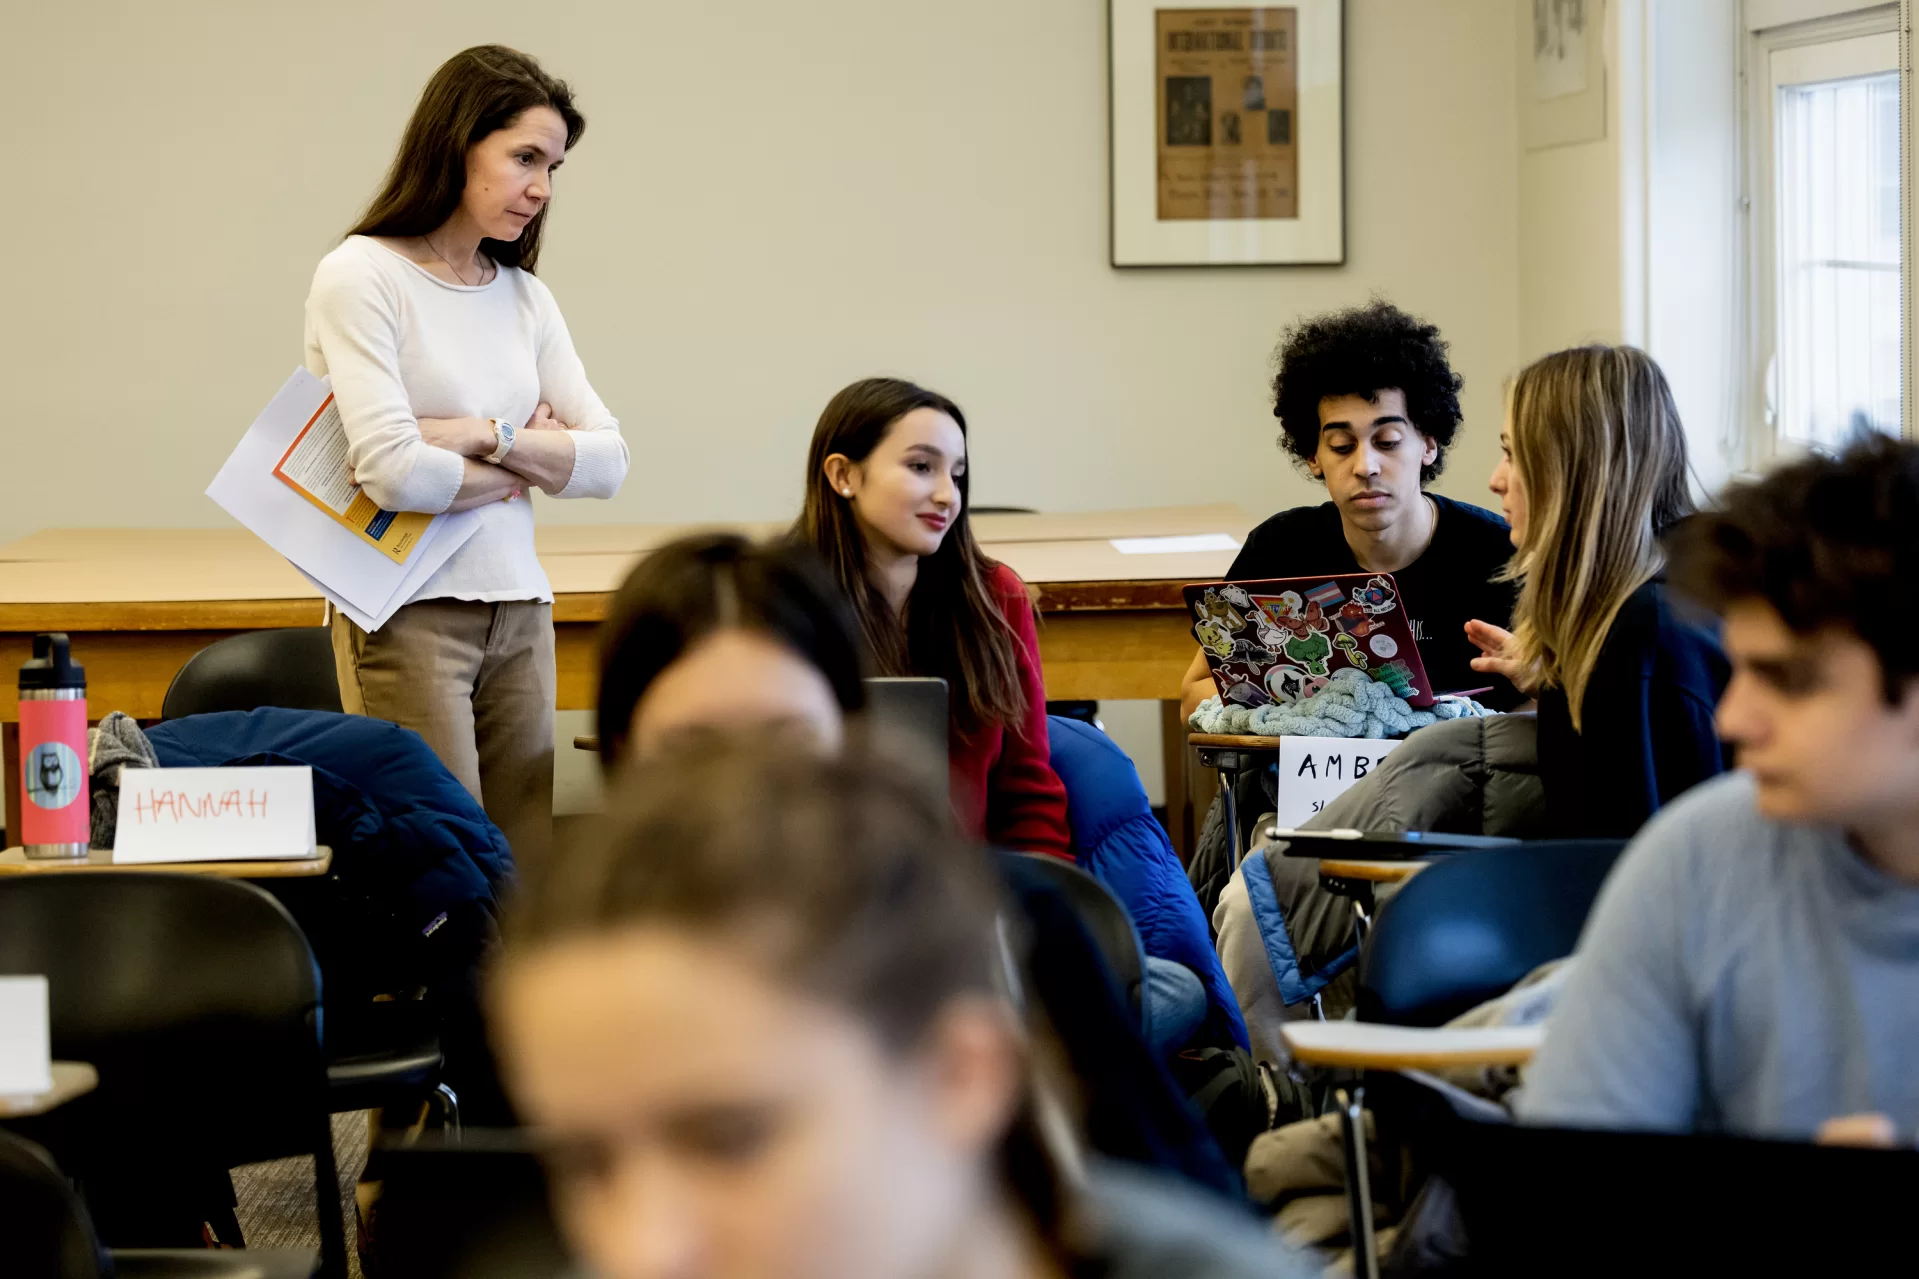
{"x": 449, "y": 265}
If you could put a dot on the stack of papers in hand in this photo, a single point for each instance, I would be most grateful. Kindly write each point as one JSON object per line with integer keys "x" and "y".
{"x": 288, "y": 482}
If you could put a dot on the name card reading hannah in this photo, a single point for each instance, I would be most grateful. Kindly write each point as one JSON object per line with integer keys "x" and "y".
{"x": 214, "y": 814}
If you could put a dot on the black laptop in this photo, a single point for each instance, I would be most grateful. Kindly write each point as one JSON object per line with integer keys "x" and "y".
{"x": 911, "y": 710}
{"x": 473, "y": 1210}
{"x": 1551, "y": 1201}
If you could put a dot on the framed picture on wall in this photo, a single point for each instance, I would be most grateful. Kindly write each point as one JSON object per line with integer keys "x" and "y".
{"x": 1562, "y": 91}
{"x": 1227, "y": 133}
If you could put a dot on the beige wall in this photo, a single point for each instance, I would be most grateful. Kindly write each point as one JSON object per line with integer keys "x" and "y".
{"x": 1569, "y": 259}
{"x": 1572, "y": 267}
{"x": 1638, "y": 237}
{"x": 771, "y": 199}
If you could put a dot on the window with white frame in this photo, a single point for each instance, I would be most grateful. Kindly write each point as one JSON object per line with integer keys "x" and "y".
{"x": 1825, "y": 117}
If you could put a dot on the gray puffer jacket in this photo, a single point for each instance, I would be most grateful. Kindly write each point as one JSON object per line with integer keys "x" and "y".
{"x": 1283, "y": 939}
{"x": 1463, "y": 776}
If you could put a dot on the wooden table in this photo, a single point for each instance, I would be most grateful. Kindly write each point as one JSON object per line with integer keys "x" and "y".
{"x": 1232, "y": 754}
{"x": 70, "y": 1079}
{"x": 1371, "y": 872}
{"x": 1359, "y": 1045}
{"x": 14, "y": 861}
{"x": 139, "y": 602}
{"x": 1346, "y": 1050}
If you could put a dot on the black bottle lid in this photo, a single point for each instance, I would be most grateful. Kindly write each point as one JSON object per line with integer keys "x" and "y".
{"x": 51, "y": 666}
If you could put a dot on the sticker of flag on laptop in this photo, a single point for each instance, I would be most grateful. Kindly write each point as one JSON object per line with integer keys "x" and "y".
{"x": 1281, "y": 639}
{"x": 1326, "y": 595}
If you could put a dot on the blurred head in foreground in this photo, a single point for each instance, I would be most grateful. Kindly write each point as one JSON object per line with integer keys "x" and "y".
{"x": 760, "y": 1025}
{"x": 715, "y": 631}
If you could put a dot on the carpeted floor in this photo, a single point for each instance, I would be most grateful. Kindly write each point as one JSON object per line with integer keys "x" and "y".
{"x": 276, "y": 1199}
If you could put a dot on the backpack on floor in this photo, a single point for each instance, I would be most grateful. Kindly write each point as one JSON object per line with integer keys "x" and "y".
{"x": 1238, "y": 1098}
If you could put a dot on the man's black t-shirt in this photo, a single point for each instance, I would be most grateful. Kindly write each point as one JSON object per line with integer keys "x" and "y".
{"x": 1449, "y": 585}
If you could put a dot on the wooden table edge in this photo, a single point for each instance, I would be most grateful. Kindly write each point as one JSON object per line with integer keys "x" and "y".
{"x": 1235, "y": 741}
{"x": 71, "y": 1080}
{"x": 569, "y": 608}
{"x": 1374, "y": 872}
{"x": 278, "y": 868}
{"x": 1116, "y": 595}
{"x": 161, "y": 615}
{"x": 1356, "y": 1059}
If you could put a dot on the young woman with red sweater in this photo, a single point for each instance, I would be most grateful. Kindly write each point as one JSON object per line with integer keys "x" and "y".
{"x": 886, "y": 498}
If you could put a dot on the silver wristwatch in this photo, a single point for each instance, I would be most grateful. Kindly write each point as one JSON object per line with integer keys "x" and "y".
{"x": 503, "y": 433}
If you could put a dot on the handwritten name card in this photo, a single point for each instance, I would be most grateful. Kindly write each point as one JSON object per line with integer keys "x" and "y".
{"x": 1314, "y": 771}
{"x": 214, "y": 814}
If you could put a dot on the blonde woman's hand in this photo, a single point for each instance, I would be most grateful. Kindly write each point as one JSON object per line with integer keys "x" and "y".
{"x": 1494, "y": 644}
{"x": 543, "y": 420}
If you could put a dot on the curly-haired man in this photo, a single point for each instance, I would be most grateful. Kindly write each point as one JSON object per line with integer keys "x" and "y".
{"x": 1368, "y": 404}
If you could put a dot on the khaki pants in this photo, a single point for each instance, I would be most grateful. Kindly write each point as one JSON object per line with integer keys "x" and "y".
{"x": 476, "y": 680}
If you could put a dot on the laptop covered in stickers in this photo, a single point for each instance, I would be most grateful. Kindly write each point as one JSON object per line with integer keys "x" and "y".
{"x": 1281, "y": 639}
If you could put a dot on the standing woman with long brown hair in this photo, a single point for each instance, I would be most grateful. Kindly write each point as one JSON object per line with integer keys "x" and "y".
{"x": 459, "y": 390}
{"x": 886, "y": 499}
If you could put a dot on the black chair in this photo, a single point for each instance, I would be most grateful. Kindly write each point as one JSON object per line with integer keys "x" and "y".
{"x": 1104, "y": 918}
{"x": 381, "y": 1055}
{"x": 46, "y": 1233}
{"x": 291, "y": 668}
{"x": 1468, "y": 927}
{"x": 1563, "y": 1202}
{"x": 197, "y": 1000}
{"x": 42, "y": 1222}
{"x": 1131, "y": 1107}
{"x": 1462, "y": 931}
{"x": 387, "y": 1053}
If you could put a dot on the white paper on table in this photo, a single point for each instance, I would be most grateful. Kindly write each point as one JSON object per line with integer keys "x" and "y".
{"x": 26, "y": 1057}
{"x": 347, "y": 570}
{"x": 454, "y": 530}
{"x": 1178, "y": 544}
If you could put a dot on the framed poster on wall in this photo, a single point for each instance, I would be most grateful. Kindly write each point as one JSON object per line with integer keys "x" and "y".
{"x": 1562, "y": 95}
{"x": 1227, "y": 133}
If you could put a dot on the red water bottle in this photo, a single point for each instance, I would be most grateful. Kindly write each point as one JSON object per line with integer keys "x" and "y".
{"x": 55, "y": 811}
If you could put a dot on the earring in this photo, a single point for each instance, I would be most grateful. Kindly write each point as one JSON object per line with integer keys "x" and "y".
{"x": 846, "y": 492}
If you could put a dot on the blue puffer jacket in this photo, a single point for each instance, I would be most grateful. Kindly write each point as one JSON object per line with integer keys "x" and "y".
{"x": 1119, "y": 842}
{"x": 401, "y": 826}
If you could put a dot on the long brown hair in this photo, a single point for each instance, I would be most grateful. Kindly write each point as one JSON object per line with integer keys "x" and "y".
{"x": 953, "y": 626}
{"x": 475, "y": 92}
{"x": 1598, "y": 448}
